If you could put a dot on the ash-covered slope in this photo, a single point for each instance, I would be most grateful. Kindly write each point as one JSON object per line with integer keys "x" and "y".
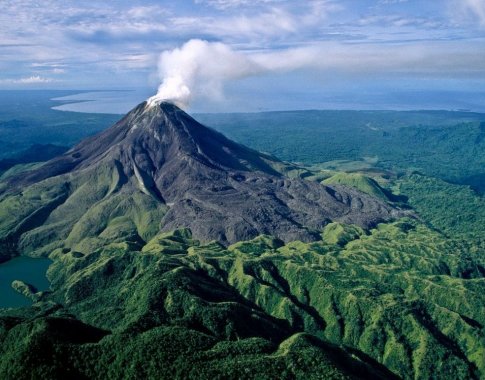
{"x": 159, "y": 167}
{"x": 156, "y": 139}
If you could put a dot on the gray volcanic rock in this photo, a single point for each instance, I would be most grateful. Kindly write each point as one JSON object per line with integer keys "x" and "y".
{"x": 219, "y": 189}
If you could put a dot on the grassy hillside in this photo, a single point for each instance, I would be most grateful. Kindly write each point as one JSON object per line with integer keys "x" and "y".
{"x": 402, "y": 296}
{"x": 358, "y": 181}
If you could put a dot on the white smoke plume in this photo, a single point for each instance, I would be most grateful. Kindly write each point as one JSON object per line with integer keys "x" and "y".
{"x": 200, "y": 68}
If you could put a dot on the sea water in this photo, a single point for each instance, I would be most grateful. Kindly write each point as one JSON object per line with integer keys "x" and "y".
{"x": 120, "y": 102}
{"x": 29, "y": 270}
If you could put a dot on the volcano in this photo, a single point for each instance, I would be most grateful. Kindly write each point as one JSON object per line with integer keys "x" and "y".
{"x": 158, "y": 169}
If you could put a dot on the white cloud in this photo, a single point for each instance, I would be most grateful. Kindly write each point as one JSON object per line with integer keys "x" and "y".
{"x": 268, "y": 23}
{"x": 34, "y": 79}
{"x": 392, "y": 1}
{"x": 258, "y": 27}
{"x": 226, "y": 4}
{"x": 467, "y": 13}
{"x": 477, "y": 7}
{"x": 119, "y": 42}
{"x": 147, "y": 12}
{"x": 49, "y": 67}
{"x": 400, "y": 21}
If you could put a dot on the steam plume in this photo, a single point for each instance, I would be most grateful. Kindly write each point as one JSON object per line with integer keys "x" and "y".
{"x": 200, "y": 68}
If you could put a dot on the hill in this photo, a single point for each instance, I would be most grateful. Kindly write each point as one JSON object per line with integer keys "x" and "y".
{"x": 330, "y": 292}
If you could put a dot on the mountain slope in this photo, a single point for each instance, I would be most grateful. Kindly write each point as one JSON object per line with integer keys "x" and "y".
{"x": 400, "y": 298}
{"x": 130, "y": 300}
{"x": 159, "y": 169}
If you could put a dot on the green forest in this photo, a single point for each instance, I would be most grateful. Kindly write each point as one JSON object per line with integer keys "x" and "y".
{"x": 403, "y": 299}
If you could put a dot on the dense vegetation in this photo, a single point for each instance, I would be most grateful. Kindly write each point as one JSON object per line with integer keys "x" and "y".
{"x": 455, "y": 210}
{"x": 401, "y": 295}
{"x": 448, "y": 145}
{"x": 405, "y": 297}
{"x": 403, "y": 300}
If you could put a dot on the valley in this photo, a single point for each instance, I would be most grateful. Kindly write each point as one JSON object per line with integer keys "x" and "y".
{"x": 177, "y": 252}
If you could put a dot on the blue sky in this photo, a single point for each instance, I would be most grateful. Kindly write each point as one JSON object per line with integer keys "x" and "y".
{"x": 309, "y": 47}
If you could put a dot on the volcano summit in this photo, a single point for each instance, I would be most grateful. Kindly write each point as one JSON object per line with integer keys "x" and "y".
{"x": 159, "y": 169}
